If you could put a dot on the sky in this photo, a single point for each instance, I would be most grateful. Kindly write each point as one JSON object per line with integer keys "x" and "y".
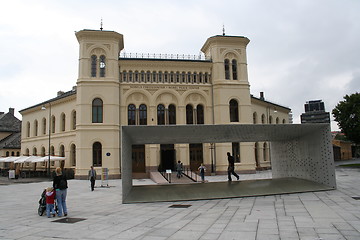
{"x": 299, "y": 50}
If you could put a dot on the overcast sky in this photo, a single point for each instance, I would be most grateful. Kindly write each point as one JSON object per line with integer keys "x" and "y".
{"x": 299, "y": 50}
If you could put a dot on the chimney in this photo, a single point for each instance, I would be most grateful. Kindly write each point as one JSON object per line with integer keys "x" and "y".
{"x": 59, "y": 93}
{"x": 262, "y": 96}
{"x": 11, "y": 111}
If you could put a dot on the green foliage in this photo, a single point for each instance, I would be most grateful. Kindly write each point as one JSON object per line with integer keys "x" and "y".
{"x": 347, "y": 114}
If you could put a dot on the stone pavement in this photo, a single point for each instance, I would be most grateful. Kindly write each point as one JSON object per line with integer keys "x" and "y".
{"x": 318, "y": 215}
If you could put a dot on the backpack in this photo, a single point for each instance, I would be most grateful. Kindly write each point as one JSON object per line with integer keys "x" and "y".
{"x": 62, "y": 184}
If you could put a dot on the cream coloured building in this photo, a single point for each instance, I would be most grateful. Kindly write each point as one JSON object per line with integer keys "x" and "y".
{"x": 115, "y": 89}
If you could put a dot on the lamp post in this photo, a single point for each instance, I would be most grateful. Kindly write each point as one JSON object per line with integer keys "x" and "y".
{"x": 44, "y": 108}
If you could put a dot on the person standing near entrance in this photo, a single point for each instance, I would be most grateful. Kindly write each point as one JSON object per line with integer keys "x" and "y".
{"x": 92, "y": 177}
{"x": 202, "y": 172}
{"x": 179, "y": 167}
{"x": 231, "y": 167}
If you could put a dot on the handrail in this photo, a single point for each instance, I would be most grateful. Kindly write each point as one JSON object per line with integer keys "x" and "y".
{"x": 187, "y": 171}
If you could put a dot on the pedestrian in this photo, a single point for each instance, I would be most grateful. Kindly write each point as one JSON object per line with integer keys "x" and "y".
{"x": 50, "y": 201}
{"x": 202, "y": 170}
{"x": 179, "y": 169}
{"x": 60, "y": 185}
{"x": 92, "y": 177}
{"x": 231, "y": 167}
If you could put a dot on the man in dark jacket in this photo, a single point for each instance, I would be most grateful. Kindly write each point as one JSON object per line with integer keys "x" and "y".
{"x": 231, "y": 167}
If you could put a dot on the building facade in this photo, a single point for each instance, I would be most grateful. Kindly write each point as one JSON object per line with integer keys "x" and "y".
{"x": 315, "y": 112}
{"x": 10, "y": 134}
{"x": 115, "y": 89}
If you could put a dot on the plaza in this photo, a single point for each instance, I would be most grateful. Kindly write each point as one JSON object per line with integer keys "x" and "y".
{"x": 101, "y": 215}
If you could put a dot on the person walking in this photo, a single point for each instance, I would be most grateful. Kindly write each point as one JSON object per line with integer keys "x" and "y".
{"x": 60, "y": 185}
{"x": 202, "y": 170}
{"x": 231, "y": 167}
{"x": 179, "y": 167}
{"x": 92, "y": 177}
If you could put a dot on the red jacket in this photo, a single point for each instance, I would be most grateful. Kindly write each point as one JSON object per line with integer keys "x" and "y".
{"x": 50, "y": 197}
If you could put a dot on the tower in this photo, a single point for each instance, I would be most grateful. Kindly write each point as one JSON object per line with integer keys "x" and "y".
{"x": 97, "y": 103}
{"x": 230, "y": 90}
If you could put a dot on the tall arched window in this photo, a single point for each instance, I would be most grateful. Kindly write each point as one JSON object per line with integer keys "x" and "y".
{"x": 254, "y": 118}
{"x": 236, "y": 151}
{"x": 200, "y": 114}
{"x": 131, "y": 114}
{"x": 36, "y": 126}
{"x": 52, "y": 151}
{"x": 263, "y": 119}
{"x": 97, "y": 154}
{"x": 53, "y": 124}
{"x": 73, "y": 155}
{"x": 27, "y": 152}
{"x": 161, "y": 114}
{"x": 93, "y": 65}
{"x": 234, "y": 111}
{"x": 97, "y": 110}
{"x": 44, "y": 126}
{"x": 283, "y": 121}
{"x": 154, "y": 76}
{"x": 124, "y": 76}
{"x": 172, "y": 114}
{"x": 189, "y": 114}
{"x": 227, "y": 69}
{"x": 34, "y": 152}
{"x": 130, "y": 76}
{"x": 270, "y": 120}
{"x": 43, "y": 151}
{"x": 27, "y": 129}
{"x": 62, "y": 122}
{"x": 73, "y": 119}
{"x": 277, "y": 120}
{"x": 142, "y": 114}
{"x": 102, "y": 66}
{"x": 234, "y": 69}
{"x": 62, "y": 151}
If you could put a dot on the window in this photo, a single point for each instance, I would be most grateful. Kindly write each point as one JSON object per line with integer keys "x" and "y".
{"x": 172, "y": 114}
{"x": 52, "y": 151}
{"x": 234, "y": 111}
{"x": 277, "y": 120}
{"x": 62, "y": 151}
{"x": 73, "y": 155}
{"x": 227, "y": 69}
{"x": 189, "y": 114}
{"x": 194, "y": 77}
{"x": 142, "y": 76}
{"x": 196, "y": 156}
{"x": 177, "y": 77}
{"x": 171, "y": 76}
{"x": 236, "y": 151}
{"x": 44, "y": 126}
{"x": 183, "y": 78}
{"x": 200, "y": 114}
{"x": 161, "y": 114}
{"x": 102, "y": 66}
{"x": 63, "y": 122}
{"x": 97, "y": 110}
{"x": 189, "y": 77}
{"x": 234, "y": 69}
{"x": 138, "y": 158}
{"x": 130, "y": 76}
{"x": 160, "y": 77}
{"x": 124, "y": 76}
{"x": 43, "y": 151}
{"x": 136, "y": 76}
{"x": 53, "y": 124}
{"x": 131, "y": 114}
{"x": 93, "y": 65}
{"x": 143, "y": 114}
{"x": 200, "y": 77}
{"x": 148, "y": 76}
{"x": 73, "y": 117}
{"x": 283, "y": 121}
{"x": 206, "y": 77}
{"x": 270, "y": 120}
{"x": 154, "y": 76}
{"x": 97, "y": 155}
{"x": 166, "y": 77}
{"x": 27, "y": 129}
{"x": 263, "y": 119}
{"x": 36, "y": 128}
{"x": 254, "y": 118}
{"x": 34, "y": 152}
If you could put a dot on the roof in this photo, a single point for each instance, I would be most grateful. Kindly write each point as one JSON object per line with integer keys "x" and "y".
{"x": 12, "y": 141}
{"x": 64, "y": 95}
{"x": 268, "y": 102}
{"x": 9, "y": 123}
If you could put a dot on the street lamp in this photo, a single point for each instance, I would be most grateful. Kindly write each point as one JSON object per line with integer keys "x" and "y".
{"x": 44, "y": 108}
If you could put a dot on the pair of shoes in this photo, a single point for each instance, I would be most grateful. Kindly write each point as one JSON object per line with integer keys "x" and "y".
{"x": 65, "y": 214}
{"x": 53, "y": 214}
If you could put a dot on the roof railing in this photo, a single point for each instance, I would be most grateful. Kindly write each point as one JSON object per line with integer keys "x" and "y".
{"x": 165, "y": 56}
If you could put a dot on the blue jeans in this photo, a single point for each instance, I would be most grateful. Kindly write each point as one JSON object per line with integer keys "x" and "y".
{"x": 61, "y": 201}
{"x": 50, "y": 209}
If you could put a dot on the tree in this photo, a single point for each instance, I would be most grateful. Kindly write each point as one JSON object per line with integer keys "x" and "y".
{"x": 347, "y": 114}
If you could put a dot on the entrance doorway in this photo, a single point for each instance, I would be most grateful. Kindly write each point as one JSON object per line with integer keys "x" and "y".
{"x": 196, "y": 156}
{"x": 167, "y": 157}
{"x": 138, "y": 158}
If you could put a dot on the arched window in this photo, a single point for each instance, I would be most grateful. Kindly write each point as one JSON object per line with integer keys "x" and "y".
{"x": 172, "y": 77}
{"x": 194, "y": 77}
{"x": 36, "y": 128}
{"x": 27, "y": 129}
{"x": 130, "y": 76}
{"x": 53, "y": 124}
{"x": 62, "y": 122}
{"x": 161, "y": 114}
{"x": 154, "y": 76}
{"x": 43, "y": 151}
{"x": 73, "y": 155}
{"x": 102, "y": 66}
{"x": 227, "y": 69}
{"x": 255, "y": 118}
{"x": 7, "y": 154}
{"x": 136, "y": 75}
{"x": 73, "y": 120}
{"x": 52, "y": 151}
{"x": 62, "y": 151}
{"x": 166, "y": 77}
{"x": 142, "y": 76}
{"x": 189, "y": 114}
{"x": 200, "y": 77}
{"x": 277, "y": 120}
{"x": 97, "y": 154}
{"x": 270, "y": 120}
{"x": 160, "y": 76}
{"x": 148, "y": 76}
{"x": 124, "y": 76}
{"x": 263, "y": 119}
{"x": 236, "y": 151}
{"x": 27, "y": 152}
{"x": 172, "y": 114}
{"x": 189, "y": 77}
{"x": 44, "y": 126}
{"x": 283, "y": 121}
{"x": 143, "y": 114}
{"x": 200, "y": 114}
{"x": 97, "y": 110}
{"x": 234, "y": 69}
{"x": 34, "y": 152}
{"x": 234, "y": 111}
{"x": 177, "y": 77}
{"x": 206, "y": 77}
{"x": 93, "y": 65}
{"x": 131, "y": 114}
{"x": 183, "y": 77}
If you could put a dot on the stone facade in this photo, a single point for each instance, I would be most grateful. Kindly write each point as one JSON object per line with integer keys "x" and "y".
{"x": 113, "y": 91}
